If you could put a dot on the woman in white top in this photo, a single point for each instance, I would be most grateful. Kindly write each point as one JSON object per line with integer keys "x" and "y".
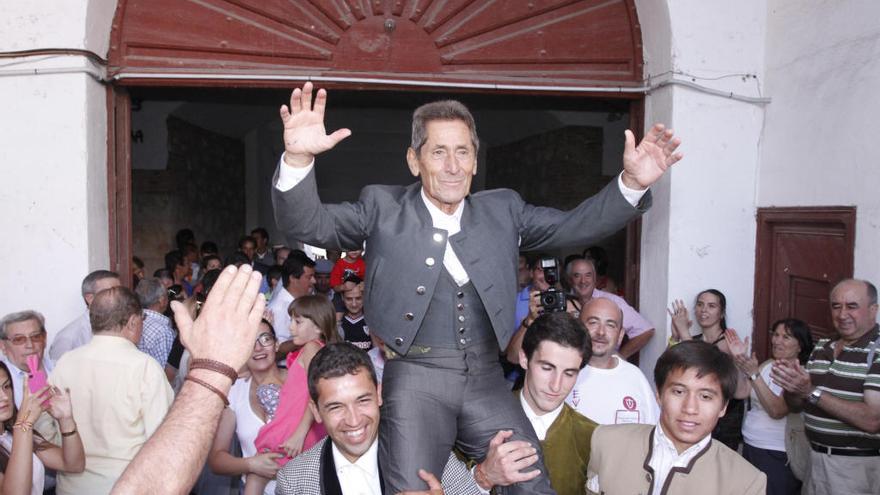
{"x": 764, "y": 424}
{"x": 23, "y": 458}
{"x": 245, "y": 415}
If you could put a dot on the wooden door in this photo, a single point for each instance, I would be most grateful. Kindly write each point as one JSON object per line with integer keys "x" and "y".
{"x": 801, "y": 253}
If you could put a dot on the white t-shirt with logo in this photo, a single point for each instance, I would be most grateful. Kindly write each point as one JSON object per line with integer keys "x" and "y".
{"x": 617, "y": 396}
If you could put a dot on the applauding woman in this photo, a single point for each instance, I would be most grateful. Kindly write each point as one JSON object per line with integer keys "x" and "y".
{"x": 24, "y": 455}
{"x": 764, "y": 425}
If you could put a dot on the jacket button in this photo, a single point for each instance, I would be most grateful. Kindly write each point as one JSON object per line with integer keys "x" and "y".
{"x": 461, "y": 318}
{"x": 460, "y": 307}
{"x": 461, "y": 330}
{"x": 429, "y": 261}
{"x": 462, "y": 341}
{"x": 398, "y": 341}
{"x": 408, "y": 317}
{"x": 460, "y": 294}
{"x": 438, "y": 237}
{"x": 420, "y": 290}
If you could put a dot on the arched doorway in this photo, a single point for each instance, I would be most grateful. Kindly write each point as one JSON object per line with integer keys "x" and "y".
{"x": 569, "y": 48}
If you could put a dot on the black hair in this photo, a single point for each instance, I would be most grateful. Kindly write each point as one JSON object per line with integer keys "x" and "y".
{"x": 209, "y": 279}
{"x": 244, "y": 239}
{"x": 294, "y": 265}
{"x": 561, "y": 328}
{"x": 237, "y": 258}
{"x": 210, "y": 257}
{"x": 172, "y": 259}
{"x": 722, "y": 301}
{"x": 801, "y": 332}
{"x": 706, "y": 358}
{"x": 184, "y": 237}
{"x": 599, "y": 257}
{"x": 335, "y": 360}
{"x": 263, "y": 232}
{"x": 209, "y": 247}
{"x": 274, "y": 272}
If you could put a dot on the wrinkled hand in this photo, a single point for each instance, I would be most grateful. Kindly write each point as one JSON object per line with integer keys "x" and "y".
{"x": 644, "y": 164}
{"x": 434, "y": 486}
{"x": 304, "y": 132}
{"x": 737, "y": 346}
{"x": 681, "y": 322}
{"x": 60, "y": 407}
{"x": 792, "y": 377}
{"x": 294, "y": 444}
{"x": 264, "y": 464}
{"x": 506, "y": 460}
{"x": 227, "y": 326}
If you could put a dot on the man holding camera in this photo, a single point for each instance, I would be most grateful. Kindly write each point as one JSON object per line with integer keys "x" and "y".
{"x": 442, "y": 272}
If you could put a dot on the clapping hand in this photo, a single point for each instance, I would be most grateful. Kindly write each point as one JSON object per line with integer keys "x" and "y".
{"x": 60, "y": 407}
{"x": 681, "y": 322}
{"x": 644, "y": 164}
{"x": 304, "y": 132}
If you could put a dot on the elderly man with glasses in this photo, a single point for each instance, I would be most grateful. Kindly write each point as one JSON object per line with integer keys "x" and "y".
{"x": 23, "y": 334}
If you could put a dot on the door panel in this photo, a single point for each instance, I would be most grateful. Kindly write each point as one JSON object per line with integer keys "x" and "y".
{"x": 801, "y": 253}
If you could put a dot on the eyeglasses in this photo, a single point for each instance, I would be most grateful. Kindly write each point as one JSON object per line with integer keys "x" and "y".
{"x": 266, "y": 339}
{"x": 37, "y": 338}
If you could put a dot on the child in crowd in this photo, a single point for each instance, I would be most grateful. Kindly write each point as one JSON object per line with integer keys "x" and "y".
{"x": 352, "y": 327}
{"x": 351, "y": 264}
{"x": 292, "y": 428}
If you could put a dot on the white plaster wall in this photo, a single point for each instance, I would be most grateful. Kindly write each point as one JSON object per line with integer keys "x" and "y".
{"x": 823, "y": 70}
{"x": 700, "y": 232}
{"x": 53, "y": 153}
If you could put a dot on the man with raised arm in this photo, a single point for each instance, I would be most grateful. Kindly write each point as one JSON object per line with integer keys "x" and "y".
{"x": 442, "y": 272}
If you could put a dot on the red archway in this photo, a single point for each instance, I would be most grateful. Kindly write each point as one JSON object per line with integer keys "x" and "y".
{"x": 559, "y": 43}
{"x": 567, "y": 47}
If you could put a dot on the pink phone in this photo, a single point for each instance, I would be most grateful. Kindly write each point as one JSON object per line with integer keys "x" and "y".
{"x": 37, "y": 378}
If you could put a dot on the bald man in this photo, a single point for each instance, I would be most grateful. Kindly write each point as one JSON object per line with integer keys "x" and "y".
{"x": 609, "y": 390}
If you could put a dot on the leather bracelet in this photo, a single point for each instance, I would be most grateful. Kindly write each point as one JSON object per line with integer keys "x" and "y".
{"x": 69, "y": 433}
{"x": 215, "y": 366}
{"x": 481, "y": 478}
{"x": 209, "y": 387}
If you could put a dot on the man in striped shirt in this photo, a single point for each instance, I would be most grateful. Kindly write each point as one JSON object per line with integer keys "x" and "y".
{"x": 839, "y": 392}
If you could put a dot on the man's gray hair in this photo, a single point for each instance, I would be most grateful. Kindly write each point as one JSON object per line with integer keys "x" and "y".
{"x": 441, "y": 110}
{"x": 570, "y": 266}
{"x": 150, "y": 291}
{"x": 112, "y": 308}
{"x": 19, "y": 317}
{"x": 88, "y": 284}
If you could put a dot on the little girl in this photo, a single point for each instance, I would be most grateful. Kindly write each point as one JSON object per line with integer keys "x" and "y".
{"x": 292, "y": 428}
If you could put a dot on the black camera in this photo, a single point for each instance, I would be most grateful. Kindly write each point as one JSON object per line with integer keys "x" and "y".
{"x": 552, "y": 299}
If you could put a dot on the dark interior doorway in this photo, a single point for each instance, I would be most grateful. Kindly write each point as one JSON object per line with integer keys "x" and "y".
{"x": 203, "y": 158}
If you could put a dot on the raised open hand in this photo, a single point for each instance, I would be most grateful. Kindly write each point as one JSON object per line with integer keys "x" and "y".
{"x": 645, "y": 163}
{"x": 681, "y": 322}
{"x": 304, "y": 132}
{"x": 737, "y": 346}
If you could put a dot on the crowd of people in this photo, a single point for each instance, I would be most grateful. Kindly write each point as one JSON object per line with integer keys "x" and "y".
{"x": 432, "y": 362}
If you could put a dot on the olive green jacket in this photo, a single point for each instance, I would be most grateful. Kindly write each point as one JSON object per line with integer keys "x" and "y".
{"x": 567, "y": 451}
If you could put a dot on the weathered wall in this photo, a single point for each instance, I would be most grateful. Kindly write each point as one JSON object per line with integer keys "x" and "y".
{"x": 823, "y": 71}
{"x": 53, "y": 151}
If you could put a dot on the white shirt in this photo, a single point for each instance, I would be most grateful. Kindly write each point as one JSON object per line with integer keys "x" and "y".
{"x": 618, "y": 395}
{"x": 77, "y": 333}
{"x": 360, "y": 477}
{"x": 281, "y": 300}
{"x": 541, "y": 423}
{"x": 759, "y": 429}
{"x": 664, "y": 456}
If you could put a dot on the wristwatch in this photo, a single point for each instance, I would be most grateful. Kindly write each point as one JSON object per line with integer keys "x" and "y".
{"x": 753, "y": 377}
{"x": 814, "y": 396}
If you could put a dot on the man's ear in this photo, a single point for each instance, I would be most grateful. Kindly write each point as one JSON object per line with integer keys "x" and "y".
{"x": 379, "y": 391}
{"x": 314, "y": 408}
{"x": 620, "y": 335}
{"x": 412, "y": 159}
{"x": 523, "y": 360}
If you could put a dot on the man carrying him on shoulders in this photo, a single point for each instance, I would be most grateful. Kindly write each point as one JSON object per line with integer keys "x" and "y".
{"x": 345, "y": 398}
{"x": 554, "y": 349}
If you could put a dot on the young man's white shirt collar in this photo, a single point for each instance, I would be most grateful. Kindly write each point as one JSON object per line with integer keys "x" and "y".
{"x": 541, "y": 423}
{"x": 360, "y": 477}
{"x": 664, "y": 456}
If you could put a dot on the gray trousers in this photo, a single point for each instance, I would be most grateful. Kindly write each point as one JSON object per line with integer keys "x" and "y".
{"x": 444, "y": 398}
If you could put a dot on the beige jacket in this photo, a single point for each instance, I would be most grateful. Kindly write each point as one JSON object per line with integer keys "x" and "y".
{"x": 620, "y": 455}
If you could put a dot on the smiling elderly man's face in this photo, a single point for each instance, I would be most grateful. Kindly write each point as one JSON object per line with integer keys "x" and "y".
{"x": 446, "y": 163}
